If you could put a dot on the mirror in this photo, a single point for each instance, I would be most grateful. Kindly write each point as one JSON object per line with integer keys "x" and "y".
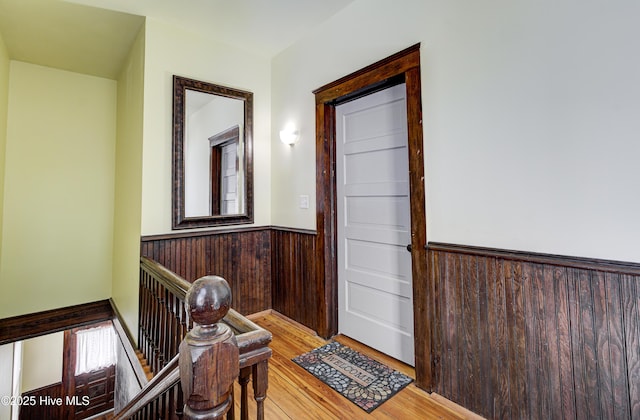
{"x": 212, "y": 155}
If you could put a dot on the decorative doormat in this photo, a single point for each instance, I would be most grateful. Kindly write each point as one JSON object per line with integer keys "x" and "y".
{"x": 364, "y": 381}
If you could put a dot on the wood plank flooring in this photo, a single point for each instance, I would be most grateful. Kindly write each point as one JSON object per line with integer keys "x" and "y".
{"x": 295, "y": 394}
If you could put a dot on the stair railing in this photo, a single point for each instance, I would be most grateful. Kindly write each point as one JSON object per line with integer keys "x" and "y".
{"x": 208, "y": 361}
{"x": 164, "y": 323}
{"x": 145, "y": 403}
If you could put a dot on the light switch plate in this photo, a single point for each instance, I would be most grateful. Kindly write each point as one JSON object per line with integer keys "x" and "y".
{"x": 304, "y": 201}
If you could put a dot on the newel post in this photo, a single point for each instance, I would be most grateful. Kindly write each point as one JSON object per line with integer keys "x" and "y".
{"x": 209, "y": 353}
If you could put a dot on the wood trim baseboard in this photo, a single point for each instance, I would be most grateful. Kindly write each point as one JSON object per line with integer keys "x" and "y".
{"x": 294, "y": 230}
{"x": 257, "y": 315}
{"x": 197, "y": 233}
{"x": 22, "y": 327}
{"x": 610, "y": 266}
{"x": 294, "y": 322}
{"x": 273, "y": 312}
{"x": 241, "y": 229}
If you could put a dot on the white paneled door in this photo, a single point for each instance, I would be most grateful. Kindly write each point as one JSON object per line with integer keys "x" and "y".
{"x": 374, "y": 223}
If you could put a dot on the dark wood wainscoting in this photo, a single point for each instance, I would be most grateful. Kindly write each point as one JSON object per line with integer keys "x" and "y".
{"x": 513, "y": 334}
{"x": 241, "y": 256}
{"x": 267, "y": 267}
{"x": 297, "y": 291}
{"x": 89, "y": 394}
{"x": 519, "y": 335}
{"x": 42, "y": 403}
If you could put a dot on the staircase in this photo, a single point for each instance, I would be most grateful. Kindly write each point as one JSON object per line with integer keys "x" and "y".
{"x": 144, "y": 364}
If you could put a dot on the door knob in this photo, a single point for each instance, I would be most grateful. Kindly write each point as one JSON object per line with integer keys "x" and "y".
{"x": 409, "y": 247}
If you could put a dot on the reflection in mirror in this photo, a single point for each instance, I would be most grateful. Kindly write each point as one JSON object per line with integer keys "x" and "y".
{"x": 212, "y": 155}
{"x": 212, "y": 152}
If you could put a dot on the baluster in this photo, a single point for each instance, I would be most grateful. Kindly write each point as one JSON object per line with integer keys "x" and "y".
{"x": 209, "y": 356}
{"x": 171, "y": 406}
{"x": 243, "y": 380}
{"x": 162, "y": 405}
{"x": 179, "y": 401}
{"x": 167, "y": 326}
{"x": 168, "y": 345}
{"x": 231, "y": 414}
{"x": 140, "y": 305}
{"x": 184, "y": 321}
{"x": 147, "y": 321}
{"x": 152, "y": 326}
{"x": 160, "y": 318}
{"x": 162, "y": 325}
{"x": 177, "y": 308}
{"x": 170, "y": 330}
{"x": 260, "y": 384}
{"x": 176, "y": 338}
{"x": 142, "y": 311}
{"x": 155, "y": 327}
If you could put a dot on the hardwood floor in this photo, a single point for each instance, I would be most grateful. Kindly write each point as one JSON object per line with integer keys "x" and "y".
{"x": 295, "y": 394}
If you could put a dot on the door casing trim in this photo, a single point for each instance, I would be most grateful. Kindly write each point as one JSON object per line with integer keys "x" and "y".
{"x": 403, "y": 66}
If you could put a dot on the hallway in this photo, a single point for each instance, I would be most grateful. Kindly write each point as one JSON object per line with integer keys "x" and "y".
{"x": 295, "y": 394}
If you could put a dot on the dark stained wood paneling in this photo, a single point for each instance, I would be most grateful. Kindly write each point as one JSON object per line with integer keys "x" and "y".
{"x": 94, "y": 392}
{"x": 80, "y": 397}
{"x": 513, "y": 334}
{"x": 270, "y": 267}
{"x": 44, "y": 408}
{"x": 240, "y": 256}
{"x": 296, "y": 292}
{"x": 32, "y": 325}
{"x": 519, "y": 335}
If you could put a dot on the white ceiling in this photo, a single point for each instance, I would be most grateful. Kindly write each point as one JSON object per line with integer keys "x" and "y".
{"x": 94, "y": 36}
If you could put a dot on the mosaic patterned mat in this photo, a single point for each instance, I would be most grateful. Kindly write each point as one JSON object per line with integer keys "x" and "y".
{"x": 364, "y": 381}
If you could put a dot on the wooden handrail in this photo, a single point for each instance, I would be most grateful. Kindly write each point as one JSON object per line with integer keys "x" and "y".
{"x": 208, "y": 362}
{"x": 163, "y": 313}
{"x": 250, "y": 336}
{"x": 164, "y": 322}
{"x": 173, "y": 282}
{"x": 165, "y": 379}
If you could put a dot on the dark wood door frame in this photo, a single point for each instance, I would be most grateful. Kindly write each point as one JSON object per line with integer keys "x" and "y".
{"x": 403, "y": 66}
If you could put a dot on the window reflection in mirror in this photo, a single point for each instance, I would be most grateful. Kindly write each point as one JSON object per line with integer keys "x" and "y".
{"x": 213, "y": 150}
{"x": 212, "y": 155}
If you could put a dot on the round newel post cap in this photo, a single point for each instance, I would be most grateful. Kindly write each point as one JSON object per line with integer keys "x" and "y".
{"x": 209, "y": 356}
{"x": 208, "y": 300}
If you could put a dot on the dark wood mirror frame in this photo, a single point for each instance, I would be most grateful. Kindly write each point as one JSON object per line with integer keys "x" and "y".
{"x": 180, "y": 220}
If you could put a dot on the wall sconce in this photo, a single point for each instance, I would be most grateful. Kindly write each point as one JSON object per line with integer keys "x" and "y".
{"x": 289, "y": 136}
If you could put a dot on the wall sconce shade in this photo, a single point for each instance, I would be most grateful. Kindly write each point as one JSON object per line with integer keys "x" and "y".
{"x": 289, "y": 136}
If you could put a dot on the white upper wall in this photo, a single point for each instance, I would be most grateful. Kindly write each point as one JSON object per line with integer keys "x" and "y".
{"x": 168, "y": 51}
{"x": 530, "y": 117}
